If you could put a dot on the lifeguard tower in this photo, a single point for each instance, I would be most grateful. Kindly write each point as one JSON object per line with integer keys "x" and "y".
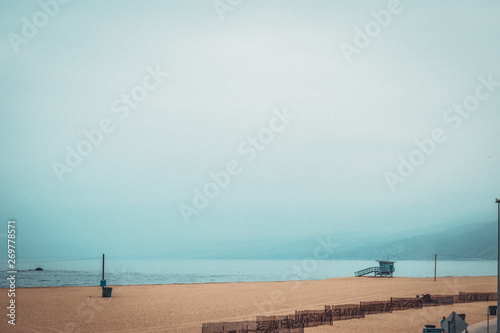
{"x": 385, "y": 268}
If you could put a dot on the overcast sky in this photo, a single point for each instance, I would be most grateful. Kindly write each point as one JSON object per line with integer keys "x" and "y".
{"x": 311, "y": 105}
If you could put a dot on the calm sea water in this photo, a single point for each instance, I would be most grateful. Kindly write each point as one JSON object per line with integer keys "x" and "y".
{"x": 134, "y": 272}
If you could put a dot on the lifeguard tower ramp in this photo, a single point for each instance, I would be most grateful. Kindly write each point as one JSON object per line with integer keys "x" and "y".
{"x": 385, "y": 268}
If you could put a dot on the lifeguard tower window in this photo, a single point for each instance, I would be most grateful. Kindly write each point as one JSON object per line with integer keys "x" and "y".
{"x": 386, "y": 267}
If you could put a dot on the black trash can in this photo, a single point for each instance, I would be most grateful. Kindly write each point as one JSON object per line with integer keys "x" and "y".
{"x": 106, "y": 291}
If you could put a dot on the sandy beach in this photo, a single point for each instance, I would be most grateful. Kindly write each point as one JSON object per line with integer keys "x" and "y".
{"x": 184, "y": 308}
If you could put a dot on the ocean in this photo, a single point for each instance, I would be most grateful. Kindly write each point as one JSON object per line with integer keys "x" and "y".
{"x": 135, "y": 272}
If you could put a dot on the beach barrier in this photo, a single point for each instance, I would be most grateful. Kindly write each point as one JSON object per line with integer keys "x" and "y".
{"x": 465, "y": 297}
{"x": 375, "y": 307}
{"x": 436, "y": 300}
{"x": 312, "y": 318}
{"x": 266, "y": 323}
{"x": 233, "y": 327}
{"x": 343, "y": 312}
{"x": 406, "y": 303}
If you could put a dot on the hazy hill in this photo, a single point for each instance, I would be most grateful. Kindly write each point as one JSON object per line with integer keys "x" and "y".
{"x": 465, "y": 242}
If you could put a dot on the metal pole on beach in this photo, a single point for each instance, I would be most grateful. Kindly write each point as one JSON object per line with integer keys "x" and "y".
{"x": 435, "y": 263}
{"x": 103, "y": 266}
{"x": 498, "y": 267}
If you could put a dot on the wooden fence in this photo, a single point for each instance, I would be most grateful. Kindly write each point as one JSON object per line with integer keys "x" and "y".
{"x": 226, "y": 327}
{"x": 436, "y": 300}
{"x": 343, "y": 312}
{"x": 375, "y": 307}
{"x": 312, "y": 318}
{"x": 464, "y": 297}
{"x": 270, "y": 325}
{"x": 406, "y": 303}
{"x": 278, "y": 322}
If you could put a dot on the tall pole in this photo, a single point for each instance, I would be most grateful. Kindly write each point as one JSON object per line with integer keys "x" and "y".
{"x": 435, "y": 264}
{"x": 498, "y": 267}
{"x": 103, "y": 266}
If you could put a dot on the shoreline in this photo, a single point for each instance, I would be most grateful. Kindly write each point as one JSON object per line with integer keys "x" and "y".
{"x": 272, "y": 281}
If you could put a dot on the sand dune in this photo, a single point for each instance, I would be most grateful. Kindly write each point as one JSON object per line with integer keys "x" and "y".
{"x": 183, "y": 308}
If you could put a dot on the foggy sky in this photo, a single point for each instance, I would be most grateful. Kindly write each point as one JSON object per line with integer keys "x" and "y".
{"x": 210, "y": 87}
